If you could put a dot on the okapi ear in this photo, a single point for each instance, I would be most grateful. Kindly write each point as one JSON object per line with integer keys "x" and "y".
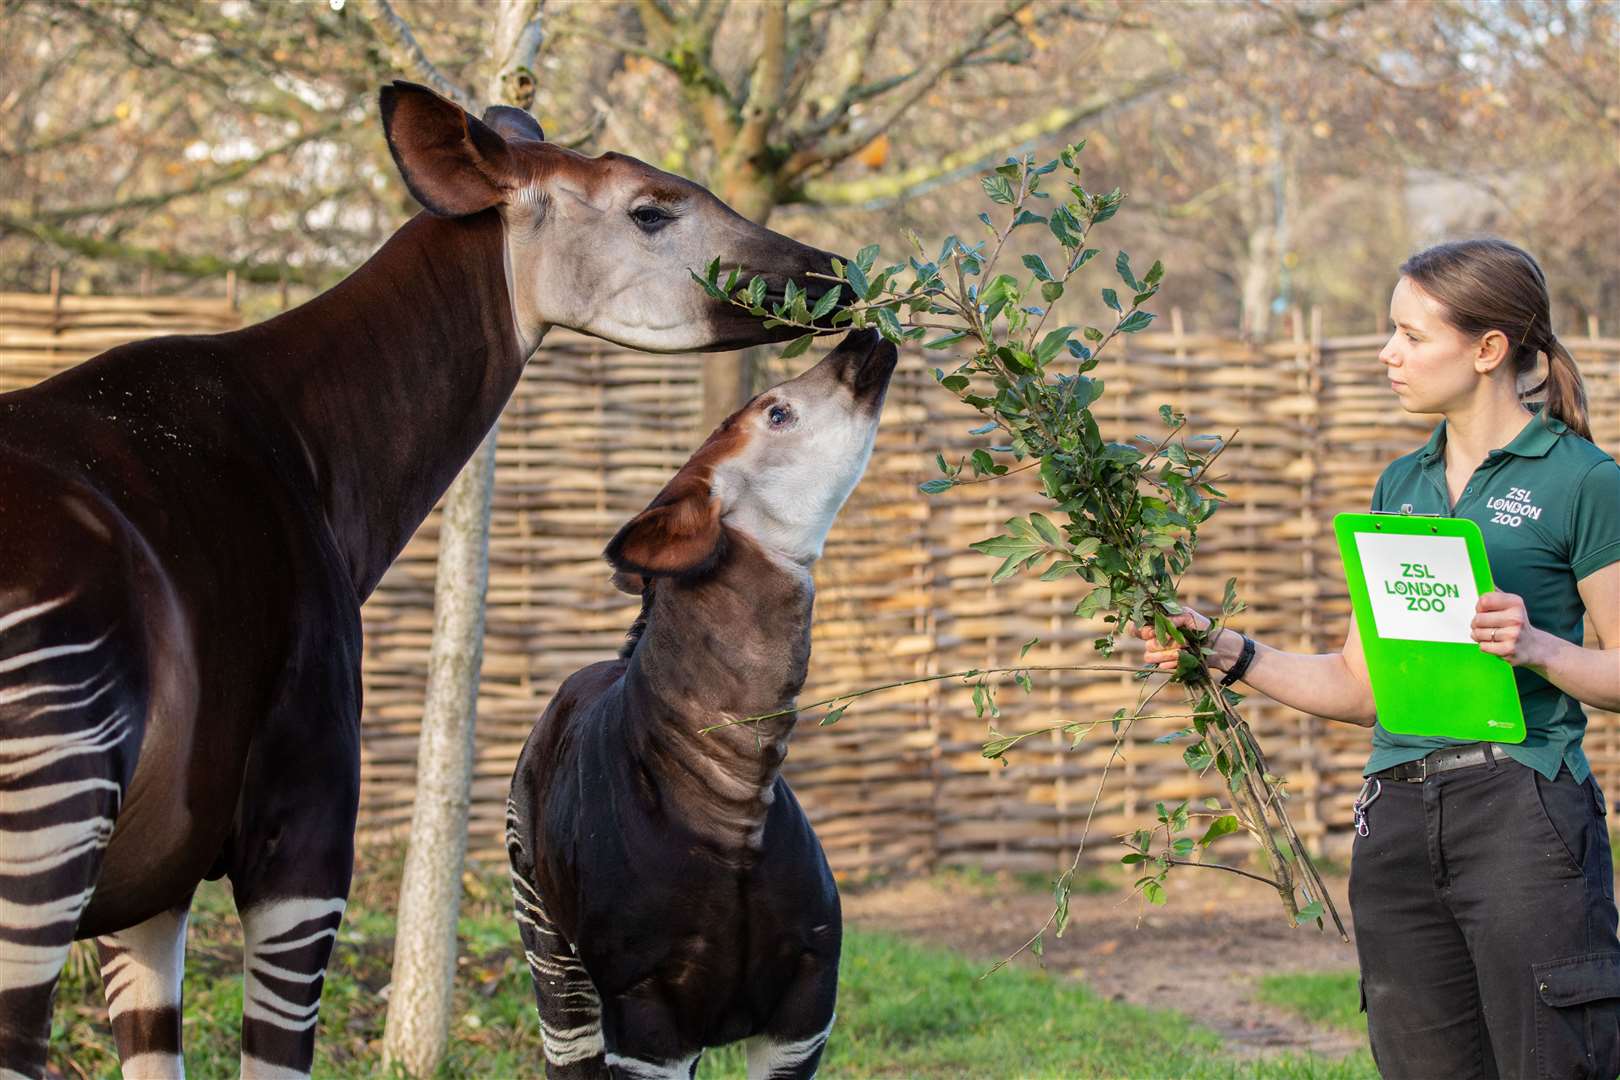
{"x": 454, "y": 164}
{"x": 626, "y": 582}
{"x": 678, "y": 535}
{"x": 510, "y": 123}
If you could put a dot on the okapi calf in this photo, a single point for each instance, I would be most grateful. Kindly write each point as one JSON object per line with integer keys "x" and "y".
{"x": 189, "y": 525}
{"x": 670, "y": 892}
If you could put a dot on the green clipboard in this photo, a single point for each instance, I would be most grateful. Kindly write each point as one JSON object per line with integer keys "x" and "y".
{"x": 1414, "y": 582}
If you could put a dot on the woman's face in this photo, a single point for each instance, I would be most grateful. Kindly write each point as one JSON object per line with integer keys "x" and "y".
{"x": 1430, "y": 363}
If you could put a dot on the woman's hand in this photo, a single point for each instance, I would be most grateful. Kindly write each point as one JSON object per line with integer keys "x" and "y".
{"x": 1502, "y": 628}
{"x": 1166, "y": 654}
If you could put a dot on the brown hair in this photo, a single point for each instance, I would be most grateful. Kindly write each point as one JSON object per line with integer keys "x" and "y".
{"x": 1490, "y": 284}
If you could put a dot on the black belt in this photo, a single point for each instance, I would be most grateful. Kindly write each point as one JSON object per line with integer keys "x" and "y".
{"x": 1456, "y": 757}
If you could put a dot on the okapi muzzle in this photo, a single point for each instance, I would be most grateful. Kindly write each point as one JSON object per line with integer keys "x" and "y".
{"x": 670, "y": 892}
{"x": 189, "y": 525}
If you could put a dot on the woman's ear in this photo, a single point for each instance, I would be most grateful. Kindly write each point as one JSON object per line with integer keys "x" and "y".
{"x": 678, "y": 535}
{"x": 1493, "y": 350}
{"x": 454, "y": 163}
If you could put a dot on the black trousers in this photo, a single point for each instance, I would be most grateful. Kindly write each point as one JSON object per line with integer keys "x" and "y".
{"x": 1483, "y": 900}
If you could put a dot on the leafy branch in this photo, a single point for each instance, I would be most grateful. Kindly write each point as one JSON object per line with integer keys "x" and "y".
{"x": 1121, "y": 517}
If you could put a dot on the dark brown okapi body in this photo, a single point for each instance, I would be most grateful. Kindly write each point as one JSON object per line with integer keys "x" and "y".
{"x": 189, "y": 525}
{"x": 670, "y": 891}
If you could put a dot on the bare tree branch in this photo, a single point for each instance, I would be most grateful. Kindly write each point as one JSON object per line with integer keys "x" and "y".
{"x": 227, "y": 175}
{"x": 408, "y": 54}
{"x": 172, "y": 262}
{"x": 876, "y": 192}
{"x": 765, "y": 85}
{"x": 821, "y": 155}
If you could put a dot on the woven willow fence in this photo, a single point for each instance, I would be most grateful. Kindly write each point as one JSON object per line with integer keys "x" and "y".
{"x": 593, "y": 432}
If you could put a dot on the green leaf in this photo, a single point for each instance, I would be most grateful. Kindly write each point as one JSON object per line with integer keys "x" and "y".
{"x": 1111, "y": 298}
{"x": 954, "y": 383}
{"x": 1048, "y": 531}
{"x": 1037, "y": 266}
{"x": 1085, "y": 257}
{"x": 756, "y": 291}
{"x": 833, "y": 716}
{"x": 1052, "y": 344}
{"x": 1051, "y": 290}
{"x": 865, "y": 257}
{"x": 1027, "y": 217}
{"x": 711, "y": 273}
{"x": 1122, "y": 266}
{"x": 1197, "y": 757}
{"x": 1221, "y": 826}
{"x": 946, "y": 341}
{"x": 1028, "y": 645}
{"x": 855, "y": 274}
{"x": 888, "y": 323}
{"x": 935, "y": 486}
{"x": 1007, "y": 569}
{"x": 1182, "y": 847}
{"x": 828, "y": 301}
{"x": 998, "y": 188}
{"x": 983, "y": 429}
{"x": 1085, "y": 547}
{"x": 1312, "y": 910}
{"x": 1093, "y": 601}
{"x": 1136, "y": 320}
{"x": 798, "y": 347}
{"x": 1154, "y": 275}
{"x": 1154, "y": 892}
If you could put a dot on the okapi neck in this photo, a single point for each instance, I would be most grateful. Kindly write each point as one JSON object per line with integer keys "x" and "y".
{"x": 734, "y": 645}
{"x": 393, "y": 377}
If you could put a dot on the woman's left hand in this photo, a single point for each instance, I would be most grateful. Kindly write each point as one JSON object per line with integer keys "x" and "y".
{"x": 1502, "y": 628}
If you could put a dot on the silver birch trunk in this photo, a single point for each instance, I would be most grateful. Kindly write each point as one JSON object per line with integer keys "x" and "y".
{"x": 418, "y": 1025}
{"x": 425, "y": 945}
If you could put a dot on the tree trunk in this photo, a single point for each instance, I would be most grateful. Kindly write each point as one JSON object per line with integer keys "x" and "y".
{"x": 418, "y": 1025}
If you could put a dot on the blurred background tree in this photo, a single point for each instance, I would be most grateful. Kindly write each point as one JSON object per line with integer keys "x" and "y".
{"x": 1279, "y": 153}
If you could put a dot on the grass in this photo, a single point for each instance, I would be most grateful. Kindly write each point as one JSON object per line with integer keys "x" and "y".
{"x": 904, "y": 1011}
{"x": 1330, "y": 999}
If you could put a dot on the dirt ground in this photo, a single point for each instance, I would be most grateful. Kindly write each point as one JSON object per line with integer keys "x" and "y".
{"x": 1201, "y": 954}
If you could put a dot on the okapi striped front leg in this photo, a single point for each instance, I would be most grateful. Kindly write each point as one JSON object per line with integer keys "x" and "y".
{"x": 142, "y": 969}
{"x": 570, "y": 1010}
{"x": 70, "y": 730}
{"x": 286, "y": 944}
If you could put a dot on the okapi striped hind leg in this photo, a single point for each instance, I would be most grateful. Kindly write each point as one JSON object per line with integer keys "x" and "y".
{"x": 570, "y": 1010}
{"x": 287, "y": 943}
{"x": 69, "y": 732}
{"x": 142, "y": 969}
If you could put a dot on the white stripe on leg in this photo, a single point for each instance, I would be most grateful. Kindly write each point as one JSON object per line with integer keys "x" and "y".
{"x": 768, "y": 1058}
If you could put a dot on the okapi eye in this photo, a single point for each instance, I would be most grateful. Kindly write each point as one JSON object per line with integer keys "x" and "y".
{"x": 780, "y": 415}
{"x": 650, "y": 218}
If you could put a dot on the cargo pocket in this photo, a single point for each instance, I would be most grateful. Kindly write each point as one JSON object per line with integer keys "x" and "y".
{"x": 1578, "y": 1017}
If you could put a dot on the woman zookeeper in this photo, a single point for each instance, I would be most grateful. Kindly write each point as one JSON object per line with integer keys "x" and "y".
{"x": 1481, "y": 883}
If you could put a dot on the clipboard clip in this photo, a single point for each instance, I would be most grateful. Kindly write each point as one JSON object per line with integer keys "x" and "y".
{"x": 1404, "y": 511}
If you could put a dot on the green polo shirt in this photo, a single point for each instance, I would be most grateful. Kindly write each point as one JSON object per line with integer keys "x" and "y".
{"x": 1548, "y": 504}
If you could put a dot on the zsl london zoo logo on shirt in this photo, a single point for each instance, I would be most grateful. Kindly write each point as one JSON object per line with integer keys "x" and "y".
{"x": 1513, "y": 508}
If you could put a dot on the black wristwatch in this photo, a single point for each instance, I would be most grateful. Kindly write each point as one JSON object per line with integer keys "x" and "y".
{"x": 1245, "y": 658}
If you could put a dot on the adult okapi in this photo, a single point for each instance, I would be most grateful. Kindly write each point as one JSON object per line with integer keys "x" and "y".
{"x": 189, "y": 525}
{"x": 670, "y": 892}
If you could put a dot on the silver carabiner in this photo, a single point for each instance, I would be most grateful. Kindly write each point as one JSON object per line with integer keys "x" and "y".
{"x": 1358, "y": 809}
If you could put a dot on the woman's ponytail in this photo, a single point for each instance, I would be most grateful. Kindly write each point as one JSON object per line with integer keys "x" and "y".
{"x": 1566, "y": 392}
